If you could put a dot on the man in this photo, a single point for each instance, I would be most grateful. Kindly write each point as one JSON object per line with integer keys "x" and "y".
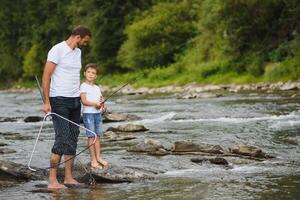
{"x": 61, "y": 81}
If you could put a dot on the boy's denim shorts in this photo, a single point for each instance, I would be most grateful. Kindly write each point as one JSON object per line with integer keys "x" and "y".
{"x": 93, "y": 122}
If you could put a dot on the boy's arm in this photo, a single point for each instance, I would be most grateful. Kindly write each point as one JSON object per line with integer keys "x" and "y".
{"x": 85, "y": 102}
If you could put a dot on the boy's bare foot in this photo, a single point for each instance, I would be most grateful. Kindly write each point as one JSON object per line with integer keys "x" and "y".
{"x": 96, "y": 165}
{"x": 102, "y": 162}
{"x": 71, "y": 182}
{"x": 55, "y": 186}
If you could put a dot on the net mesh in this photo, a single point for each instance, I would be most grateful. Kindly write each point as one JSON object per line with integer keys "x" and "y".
{"x": 73, "y": 138}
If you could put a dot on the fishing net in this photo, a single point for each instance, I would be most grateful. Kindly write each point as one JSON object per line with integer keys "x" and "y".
{"x": 45, "y": 141}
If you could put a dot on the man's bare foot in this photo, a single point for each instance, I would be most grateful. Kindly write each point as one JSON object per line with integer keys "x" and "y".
{"x": 102, "y": 162}
{"x": 55, "y": 186}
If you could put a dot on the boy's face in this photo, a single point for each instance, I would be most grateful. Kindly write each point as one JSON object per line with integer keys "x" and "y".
{"x": 90, "y": 74}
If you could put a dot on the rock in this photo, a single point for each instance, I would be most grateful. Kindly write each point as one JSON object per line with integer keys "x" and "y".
{"x": 121, "y": 174}
{"x": 110, "y": 136}
{"x": 2, "y": 144}
{"x": 195, "y": 95}
{"x": 215, "y": 160}
{"x": 248, "y": 150}
{"x": 188, "y": 146}
{"x": 20, "y": 171}
{"x": 128, "y": 128}
{"x": 117, "y": 117}
{"x": 6, "y": 150}
{"x": 33, "y": 119}
{"x": 289, "y": 86}
{"x": 113, "y": 173}
{"x": 155, "y": 143}
{"x": 8, "y": 119}
{"x": 150, "y": 146}
{"x": 199, "y": 160}
{"x": 218, "y": 161}
{"x": 15, "y": 136}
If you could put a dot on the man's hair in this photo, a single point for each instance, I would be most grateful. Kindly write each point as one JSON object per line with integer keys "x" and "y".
{"x": 90, "y": 65}
{"x": 82, "y": 31}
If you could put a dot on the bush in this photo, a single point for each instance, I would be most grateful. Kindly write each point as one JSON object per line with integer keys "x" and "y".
{"x": 155, "y": 38}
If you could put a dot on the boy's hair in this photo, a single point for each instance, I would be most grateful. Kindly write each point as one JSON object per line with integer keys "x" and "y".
{"x": 90, "y": 65}
{"x": 82, "y": 31}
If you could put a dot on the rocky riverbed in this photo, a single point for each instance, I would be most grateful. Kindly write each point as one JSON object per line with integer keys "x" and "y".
{"x": 223, "y": 145}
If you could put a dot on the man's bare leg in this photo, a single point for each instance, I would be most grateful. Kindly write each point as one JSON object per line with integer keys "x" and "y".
{"x": 68, "y": 170}
{"x": 53, "y": 182}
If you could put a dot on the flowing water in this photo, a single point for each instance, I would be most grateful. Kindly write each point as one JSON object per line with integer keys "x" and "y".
{"x": 270, "y": 121}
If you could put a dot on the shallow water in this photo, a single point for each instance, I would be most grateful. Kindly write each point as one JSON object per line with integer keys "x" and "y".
{"x": 270, "y": 121}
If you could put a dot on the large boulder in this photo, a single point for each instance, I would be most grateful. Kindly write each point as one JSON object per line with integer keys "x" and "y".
{"x": 189, "y": 146}
{"x": 20, "y": 171}
{"x": 121, "y": 174}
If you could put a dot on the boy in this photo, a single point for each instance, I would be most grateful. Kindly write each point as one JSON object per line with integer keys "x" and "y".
{"x": 92, "y": 101}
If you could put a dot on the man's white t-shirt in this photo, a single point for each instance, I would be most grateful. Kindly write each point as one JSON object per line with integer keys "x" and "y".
{"x": 65, "y": 80}
{"x": 93, "y": 94}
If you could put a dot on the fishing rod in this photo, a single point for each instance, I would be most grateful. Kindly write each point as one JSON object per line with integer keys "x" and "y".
{"x": 113, "y": 93}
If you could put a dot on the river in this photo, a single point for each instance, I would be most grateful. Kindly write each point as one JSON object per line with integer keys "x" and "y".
{"x": 270, "y": 121}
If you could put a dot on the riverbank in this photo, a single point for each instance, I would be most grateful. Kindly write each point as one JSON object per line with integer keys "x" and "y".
{"x": 190, "y": 88}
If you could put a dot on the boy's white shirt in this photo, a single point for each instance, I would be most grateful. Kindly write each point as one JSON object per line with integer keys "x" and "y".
{"x": 65, "y": 80}
{"x": 93, "y": 94}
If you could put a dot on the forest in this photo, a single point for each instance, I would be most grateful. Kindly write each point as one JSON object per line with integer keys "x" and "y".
{"x": 165, "y": 42}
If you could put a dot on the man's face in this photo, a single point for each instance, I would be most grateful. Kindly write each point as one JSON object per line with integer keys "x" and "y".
{"x": 83, "y": 41}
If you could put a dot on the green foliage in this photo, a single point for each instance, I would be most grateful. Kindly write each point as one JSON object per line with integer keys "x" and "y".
{"x": 175, "y": 42}
{"x": 162, "y": 32}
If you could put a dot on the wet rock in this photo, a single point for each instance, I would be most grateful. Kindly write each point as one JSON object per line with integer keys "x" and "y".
{"x": 19, "y": 171}
{"x": 195, "y": 95}
{"x": 8, "y": 119}
{"x": 113, "y": 173}
{"x": 2, "y": 144}
{"x": 150, "y": 146}
{"x": 121, "y": 174}
{"x": 4, "y": 183}
{"x": 6, "y": 150}
{"x": 117, "y": 117}
{"x": 128, "y": 128}
{"x": 110, "y": 136}
{"x": 218, "y": 161}
{"x": 33, "y": 119}
{"x": 189, "y": 146}
{"x": 15, "y": 136}
{"x": 248, "y": 150}
{"x": 215, "y": 160}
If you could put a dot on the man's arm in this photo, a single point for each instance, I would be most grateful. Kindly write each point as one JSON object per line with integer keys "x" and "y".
{"x": 48, "y": 70}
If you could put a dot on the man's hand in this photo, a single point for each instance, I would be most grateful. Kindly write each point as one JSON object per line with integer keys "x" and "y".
{"x": 47, "y": 107}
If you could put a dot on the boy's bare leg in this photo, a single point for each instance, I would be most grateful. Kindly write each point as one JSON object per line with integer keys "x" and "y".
{"x": 53, "y": 182}
{"x": 94, "y": 162}
{"x": 68, "y": 170}
{"x": 98, "y": 153}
